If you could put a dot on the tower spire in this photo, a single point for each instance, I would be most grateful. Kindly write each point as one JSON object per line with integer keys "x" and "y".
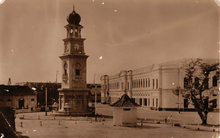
{"x": 73, "y": 7}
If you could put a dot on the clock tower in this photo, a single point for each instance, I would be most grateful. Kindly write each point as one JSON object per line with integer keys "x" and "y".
{"x": 73, "y": 95}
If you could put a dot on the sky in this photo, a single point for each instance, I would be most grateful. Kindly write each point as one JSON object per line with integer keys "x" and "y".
{"x": 127, "y": 34}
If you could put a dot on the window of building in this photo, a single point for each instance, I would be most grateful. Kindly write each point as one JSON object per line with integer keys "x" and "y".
{"x": 148, "y": 101}
{"x": 145, "y": 102}
{"x": 77, "y": 72}
{"x": 78, "y": 69}
{"x": 126, "y": 109}
{"x": 139, "y": 83}
{"x": 134, "y": 84}
{"x": 32, "y": 99}
{"x": 153, "y": 102}
{"x": 140, "y": 101}
{"x": 143, "y": 82}
{"x": 156, "y": 83}
{"x": 148, "y": 82}
{"x": 156, "y": 102}
{"x": 122, "y": 86}
{"x": 214, "y": 81}
{"x": 153, "y": 83}
{"x": 65, "y": 68}
{"x": 133, "y": 99}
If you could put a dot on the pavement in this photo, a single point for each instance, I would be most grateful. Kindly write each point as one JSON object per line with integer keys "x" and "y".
{"x": 37, "y": 125}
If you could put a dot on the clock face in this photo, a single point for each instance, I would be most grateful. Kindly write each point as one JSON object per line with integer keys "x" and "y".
{"x": 76, "y": 46}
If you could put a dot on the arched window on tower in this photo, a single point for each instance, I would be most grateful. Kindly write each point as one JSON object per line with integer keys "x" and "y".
{"x": 78, "y": 69}
{"x": 214, "y": 81}
{"x": 65, "y": 68}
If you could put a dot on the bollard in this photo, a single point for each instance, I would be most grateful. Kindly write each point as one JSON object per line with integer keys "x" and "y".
{"x": 95, "y": 117}
{"x": 21, "y": 124}
{"x": 39, "y": 117}
{"x": 40, "y": 123}
{"x": 213, "y": 129}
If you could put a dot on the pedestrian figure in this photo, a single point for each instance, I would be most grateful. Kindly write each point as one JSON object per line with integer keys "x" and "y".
{"x": 165, "y": 119}
{"x": 171, "y": 120}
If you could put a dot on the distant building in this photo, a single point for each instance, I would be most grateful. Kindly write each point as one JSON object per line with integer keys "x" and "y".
{"x": 40, "y": 87}
{"x": 18, "y": 97}
{"x": 92, "y": 92}
{"x": 152, "y": 86}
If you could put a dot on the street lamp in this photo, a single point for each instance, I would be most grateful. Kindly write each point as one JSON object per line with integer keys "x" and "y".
{"x": 46, "y": 101}
{"x": 57, "y": 73}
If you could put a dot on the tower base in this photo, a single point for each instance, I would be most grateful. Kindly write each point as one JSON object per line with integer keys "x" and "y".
{"x": 74, "y": 102}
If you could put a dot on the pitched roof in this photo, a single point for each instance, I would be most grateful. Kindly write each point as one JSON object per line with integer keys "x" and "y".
{"x": 16, "y": 90}
{"x": 125, "y": 101}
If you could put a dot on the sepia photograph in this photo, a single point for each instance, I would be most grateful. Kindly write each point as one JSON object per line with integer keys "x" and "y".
{"x": 109, "y": 68}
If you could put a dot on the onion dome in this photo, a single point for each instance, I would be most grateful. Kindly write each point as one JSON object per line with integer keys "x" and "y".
{"x": 73, "y": 18}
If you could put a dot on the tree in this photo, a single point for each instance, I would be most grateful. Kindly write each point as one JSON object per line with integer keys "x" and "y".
{"x": 52, "y": 92}
{"x": 196, "y": 84}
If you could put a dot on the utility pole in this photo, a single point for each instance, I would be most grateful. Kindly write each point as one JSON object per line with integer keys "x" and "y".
{"x": 46, "y": 101}
{"x": 95, "y": 97}
{"x": 56, "y": 76}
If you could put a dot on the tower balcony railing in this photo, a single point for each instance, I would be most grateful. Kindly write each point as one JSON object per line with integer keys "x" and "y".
{"x": 78, "y": 77}
{"x": 65, "y": 77}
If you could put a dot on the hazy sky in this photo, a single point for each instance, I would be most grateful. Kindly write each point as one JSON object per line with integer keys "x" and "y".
{"x": 128, "y": 34}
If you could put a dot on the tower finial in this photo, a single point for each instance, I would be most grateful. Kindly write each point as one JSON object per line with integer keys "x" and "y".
{"x": 73, "y": 7}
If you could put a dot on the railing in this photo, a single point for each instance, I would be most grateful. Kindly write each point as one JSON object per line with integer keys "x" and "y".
{"x": 65, "y": 77}
{"x": 78, "y": 77}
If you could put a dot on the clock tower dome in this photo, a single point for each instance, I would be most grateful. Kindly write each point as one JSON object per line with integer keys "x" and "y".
{"x": 73, "y": 95}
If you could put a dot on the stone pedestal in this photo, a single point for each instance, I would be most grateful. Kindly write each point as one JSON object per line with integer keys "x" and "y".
{"x": 76, "y": 102}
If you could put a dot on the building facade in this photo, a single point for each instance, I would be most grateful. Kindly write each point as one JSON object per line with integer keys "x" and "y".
{"x": 74, "y": 95}
{"x": 18, "y": 97}
{"x": 152, "y": 86}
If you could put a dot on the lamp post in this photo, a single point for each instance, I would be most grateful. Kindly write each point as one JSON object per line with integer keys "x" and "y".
{"x": 46, "y": 101}
{"x": 95, "y": 97}
{"x": 56, "y": 75}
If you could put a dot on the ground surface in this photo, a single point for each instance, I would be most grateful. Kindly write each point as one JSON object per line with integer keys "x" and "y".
{"x": 83, "y": 127}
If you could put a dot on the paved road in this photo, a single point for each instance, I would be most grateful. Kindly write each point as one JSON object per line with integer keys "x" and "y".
{"x": 48, "y": 127}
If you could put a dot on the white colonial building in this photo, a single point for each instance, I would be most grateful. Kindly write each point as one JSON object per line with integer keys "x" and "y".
{"x": 152, "y": 86}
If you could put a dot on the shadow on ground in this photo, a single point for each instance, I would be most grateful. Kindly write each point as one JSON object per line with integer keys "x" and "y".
{"x": 144, "y": 127}
{"x": 19, "y": 135}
